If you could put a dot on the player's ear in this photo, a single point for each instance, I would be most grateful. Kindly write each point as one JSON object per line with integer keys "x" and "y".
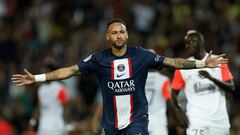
{"x": 107, "y": 37}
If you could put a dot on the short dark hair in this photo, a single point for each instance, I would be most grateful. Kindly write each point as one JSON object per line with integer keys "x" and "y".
{"x": 114, "y": 21}
{"x": 198, "y": 34}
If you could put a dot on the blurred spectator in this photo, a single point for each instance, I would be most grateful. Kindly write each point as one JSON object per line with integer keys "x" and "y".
{"x": 5, "y": 127}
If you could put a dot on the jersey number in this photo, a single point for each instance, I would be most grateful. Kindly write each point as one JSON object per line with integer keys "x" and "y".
{"x": 198, "y": 131}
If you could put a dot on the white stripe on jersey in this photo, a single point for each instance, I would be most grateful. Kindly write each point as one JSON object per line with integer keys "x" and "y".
{"x": 123, "y": 106}
{"x": 121, "y": 69}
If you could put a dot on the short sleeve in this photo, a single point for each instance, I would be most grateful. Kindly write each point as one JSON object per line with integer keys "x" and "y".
{"x": 226, "y": 74}
{"x": 88, "y": 65}
{"x": 62, "y": 96}
{"x": 156, "y": 61}
{"x": 178, "y": 83}
{"x": 166, "y": 89}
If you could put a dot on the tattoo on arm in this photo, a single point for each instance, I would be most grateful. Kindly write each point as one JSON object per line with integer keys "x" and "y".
{"x": 52, "y": 75}
{"x": 75, "y": 70}
{"x": 63, "y": 73}
{"x": 179, "y": 63}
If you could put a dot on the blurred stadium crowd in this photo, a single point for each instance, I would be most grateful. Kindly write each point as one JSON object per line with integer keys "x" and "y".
{"x": 69, "y": 30}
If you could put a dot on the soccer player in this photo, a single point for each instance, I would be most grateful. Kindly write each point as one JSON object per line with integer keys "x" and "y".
{"x": 205, "y": 91}
{"x": 52, "y": 97}
{"x": 157, "y": 92}
{"x": 122, "y": 73}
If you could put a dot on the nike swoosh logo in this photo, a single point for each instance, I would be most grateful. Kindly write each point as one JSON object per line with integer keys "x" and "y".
{"x": 120, "y": 75}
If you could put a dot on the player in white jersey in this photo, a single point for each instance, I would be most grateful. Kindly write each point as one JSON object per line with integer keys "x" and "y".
{"x": 52, "y": 97}
{"x": 205, "y": 91}
{"x": 158, "y": 92}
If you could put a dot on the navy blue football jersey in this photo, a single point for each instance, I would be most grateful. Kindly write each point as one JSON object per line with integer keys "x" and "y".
{"x": 122, "y": 81}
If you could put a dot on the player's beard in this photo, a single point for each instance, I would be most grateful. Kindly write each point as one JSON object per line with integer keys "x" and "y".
{"x": 191, "y": 52}
{"x": 119, "y": 46}
{"x": 194, "y": 51}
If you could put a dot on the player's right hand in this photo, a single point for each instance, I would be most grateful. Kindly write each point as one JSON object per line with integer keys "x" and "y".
{"x": 23, "y": 79}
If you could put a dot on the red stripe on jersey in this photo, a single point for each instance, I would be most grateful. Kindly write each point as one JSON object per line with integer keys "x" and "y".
{"x": 166, "y": 90}
{"x": 131, "y": 111}
{"x": 178, "y": 83}
{"x": 130, "y": 67}
{"x": 115, "y": 110}
{"x": 226, "y": 74}
{"x": 62, "y": 96}
{"x": 112, "y": 70}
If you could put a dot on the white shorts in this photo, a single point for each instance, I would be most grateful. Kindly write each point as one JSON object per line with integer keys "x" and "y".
{"x": 200, "y": 130}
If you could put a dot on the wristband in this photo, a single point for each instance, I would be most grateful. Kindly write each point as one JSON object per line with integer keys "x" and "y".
{"x": 32, "y": 122}
{"x": 200, "y": 64}
{"x": 40, "y": 77}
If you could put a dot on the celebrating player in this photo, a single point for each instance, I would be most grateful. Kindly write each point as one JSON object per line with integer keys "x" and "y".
{"x": 122, "y": 73}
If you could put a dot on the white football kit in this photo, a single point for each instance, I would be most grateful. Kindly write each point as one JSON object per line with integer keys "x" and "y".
{"x": 51, "y": 96}
{"x": 206, "y": 106}
{"x": 157, "y": 90}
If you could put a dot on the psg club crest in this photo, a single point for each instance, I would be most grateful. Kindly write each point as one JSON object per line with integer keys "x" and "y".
{"x": 121, "y": 67}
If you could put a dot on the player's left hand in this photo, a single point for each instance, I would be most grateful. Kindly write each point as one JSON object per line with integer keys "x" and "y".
{"x": 212, "y": 62}
{"x": 204, "y": 74}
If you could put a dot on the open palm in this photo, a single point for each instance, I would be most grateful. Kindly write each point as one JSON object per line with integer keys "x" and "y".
{"x": 23, "y": 79}
{"x": 212, "y": 62}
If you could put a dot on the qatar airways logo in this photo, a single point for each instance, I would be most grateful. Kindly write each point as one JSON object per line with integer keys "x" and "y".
{"x": 122, "y": 86}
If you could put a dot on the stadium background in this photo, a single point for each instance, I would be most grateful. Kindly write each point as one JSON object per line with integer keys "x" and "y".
{"x": 32, "y": 31}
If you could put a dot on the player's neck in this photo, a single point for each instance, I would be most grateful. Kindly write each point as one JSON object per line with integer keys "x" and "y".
{"x": 119, "y": 52}
{"x": 200, "y": 55}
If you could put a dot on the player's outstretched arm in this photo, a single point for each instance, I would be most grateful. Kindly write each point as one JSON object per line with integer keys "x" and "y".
{"x": 29, "y": 78}
{"x": 210, "y": 62}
